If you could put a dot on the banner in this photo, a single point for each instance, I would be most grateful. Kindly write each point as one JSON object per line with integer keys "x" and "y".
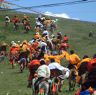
{"x": 1, "y": 1}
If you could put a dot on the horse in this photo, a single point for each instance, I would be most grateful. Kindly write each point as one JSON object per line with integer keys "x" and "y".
{"x": 72, "y": 79}
{"x": 43, "y": 87}
{"x": 55, "y": 86}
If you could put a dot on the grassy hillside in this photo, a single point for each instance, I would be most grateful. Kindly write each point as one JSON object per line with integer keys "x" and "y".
{"x": 77, "y": 31}
{"x": 14, "y": 83}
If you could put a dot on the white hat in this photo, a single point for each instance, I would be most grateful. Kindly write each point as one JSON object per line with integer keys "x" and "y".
{"x": 14, "y": 44}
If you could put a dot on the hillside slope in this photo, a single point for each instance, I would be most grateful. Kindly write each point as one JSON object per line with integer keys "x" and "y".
{"x": 14, "y": 83}
{"x": 77, "y": 31}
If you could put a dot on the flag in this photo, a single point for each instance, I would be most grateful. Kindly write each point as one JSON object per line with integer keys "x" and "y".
{"x": 1, "y": 0}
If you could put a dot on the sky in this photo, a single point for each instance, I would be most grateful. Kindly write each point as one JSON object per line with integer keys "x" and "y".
{"x": 84, "y": 12}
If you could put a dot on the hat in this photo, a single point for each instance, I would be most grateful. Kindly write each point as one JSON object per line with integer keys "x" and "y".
{"x": 14, "y": 44}
{"x": 25, "y": 42}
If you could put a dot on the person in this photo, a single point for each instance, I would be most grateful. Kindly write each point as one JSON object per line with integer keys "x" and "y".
{"x": 26, "y": 17}
{"x": 64, "y": 45}
{"x": 90, "y": 34}
{"x": 7, "y": 20}
{"x": 43, "y": 46}
{"x": 91, "y": 79}
{"x": 22, "y": 62}
{"x": 43, "y": 73}
{"x": 85, "y": 59}
{"x": 25, "y": 51}
{"x": 33, "y": 66}
{"x": 59, "y": 36}
{"x": 58, "y": 58}
{"x": 73, "y": 59}
{"x": 26, "y": 23}
{"x": 84, "y": 90}
{"x": 38, "y": 24}
{"x": 45, "y": 32}
{"x": 82, "y": 69}
{"x": 58, "y": 71}
{"x": 37, "y": 35}
{"x": 15, "y": 21}
{"x": 14, "y": 50}
{"x": 92, "y": 63}
{"x": 65, "y": 38}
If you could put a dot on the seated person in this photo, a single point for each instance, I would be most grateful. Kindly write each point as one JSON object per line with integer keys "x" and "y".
{"x": 58, "y": 70}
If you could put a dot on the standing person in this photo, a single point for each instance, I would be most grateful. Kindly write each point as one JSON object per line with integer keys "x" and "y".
{"x": 26, "y": 23}
{"x": 3, "y": 51}
{"x": 14, "y": 50}
{"x": 59, "y": 36}
{"x": 15, "y": 21}
{"x": 7, "y": 20}
{"x": 65, "y": 38}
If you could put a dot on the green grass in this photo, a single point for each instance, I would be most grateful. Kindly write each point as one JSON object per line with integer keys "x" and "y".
{"x": 15, "y": 83}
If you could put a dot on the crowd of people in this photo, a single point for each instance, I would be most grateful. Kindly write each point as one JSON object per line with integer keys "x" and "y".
{"x": 43, "y": 56}
{"x": 41, "y": 23}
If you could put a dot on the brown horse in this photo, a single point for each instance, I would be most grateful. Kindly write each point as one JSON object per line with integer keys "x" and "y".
{"x": 72, "y": 79}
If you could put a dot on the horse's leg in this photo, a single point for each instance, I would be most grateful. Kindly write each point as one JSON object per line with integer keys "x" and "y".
{"x": 73, "y": 85}
{"x": 45, "y": 87}
{"x": 69, "y": 85}
{"x": 69, "y": 82}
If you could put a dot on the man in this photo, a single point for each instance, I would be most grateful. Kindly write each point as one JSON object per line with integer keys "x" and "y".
{"x": 33, "y": 66}
{"x": 26, "y": 23}
{"x": 91, "y": 81}
{"x": 43, "y": 46}
{"x": 58, "y": 58}
{"x": 60, "y": 70}
{"x": 45, "y": 32}
{"x": 43, "y": 70}
{"x": 82, "y": 68}
{"x": 15, "y": 21}
{"x": 73, "y": 59}
{"x": 14, "y": 51}
{"x": 7, "y": 20}
{"x": 43, "y": 73}
{"x": 65, "y": 38}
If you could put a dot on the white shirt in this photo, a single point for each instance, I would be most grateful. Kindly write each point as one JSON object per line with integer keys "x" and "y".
{"x": 55, "y": 65}
{"x": 42, "y": 44}
{"x": 46, "y": 32}
{"x": 43, "y": 71}
{"x": 8, "y": 19}
{"x": 38, "y": 23}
